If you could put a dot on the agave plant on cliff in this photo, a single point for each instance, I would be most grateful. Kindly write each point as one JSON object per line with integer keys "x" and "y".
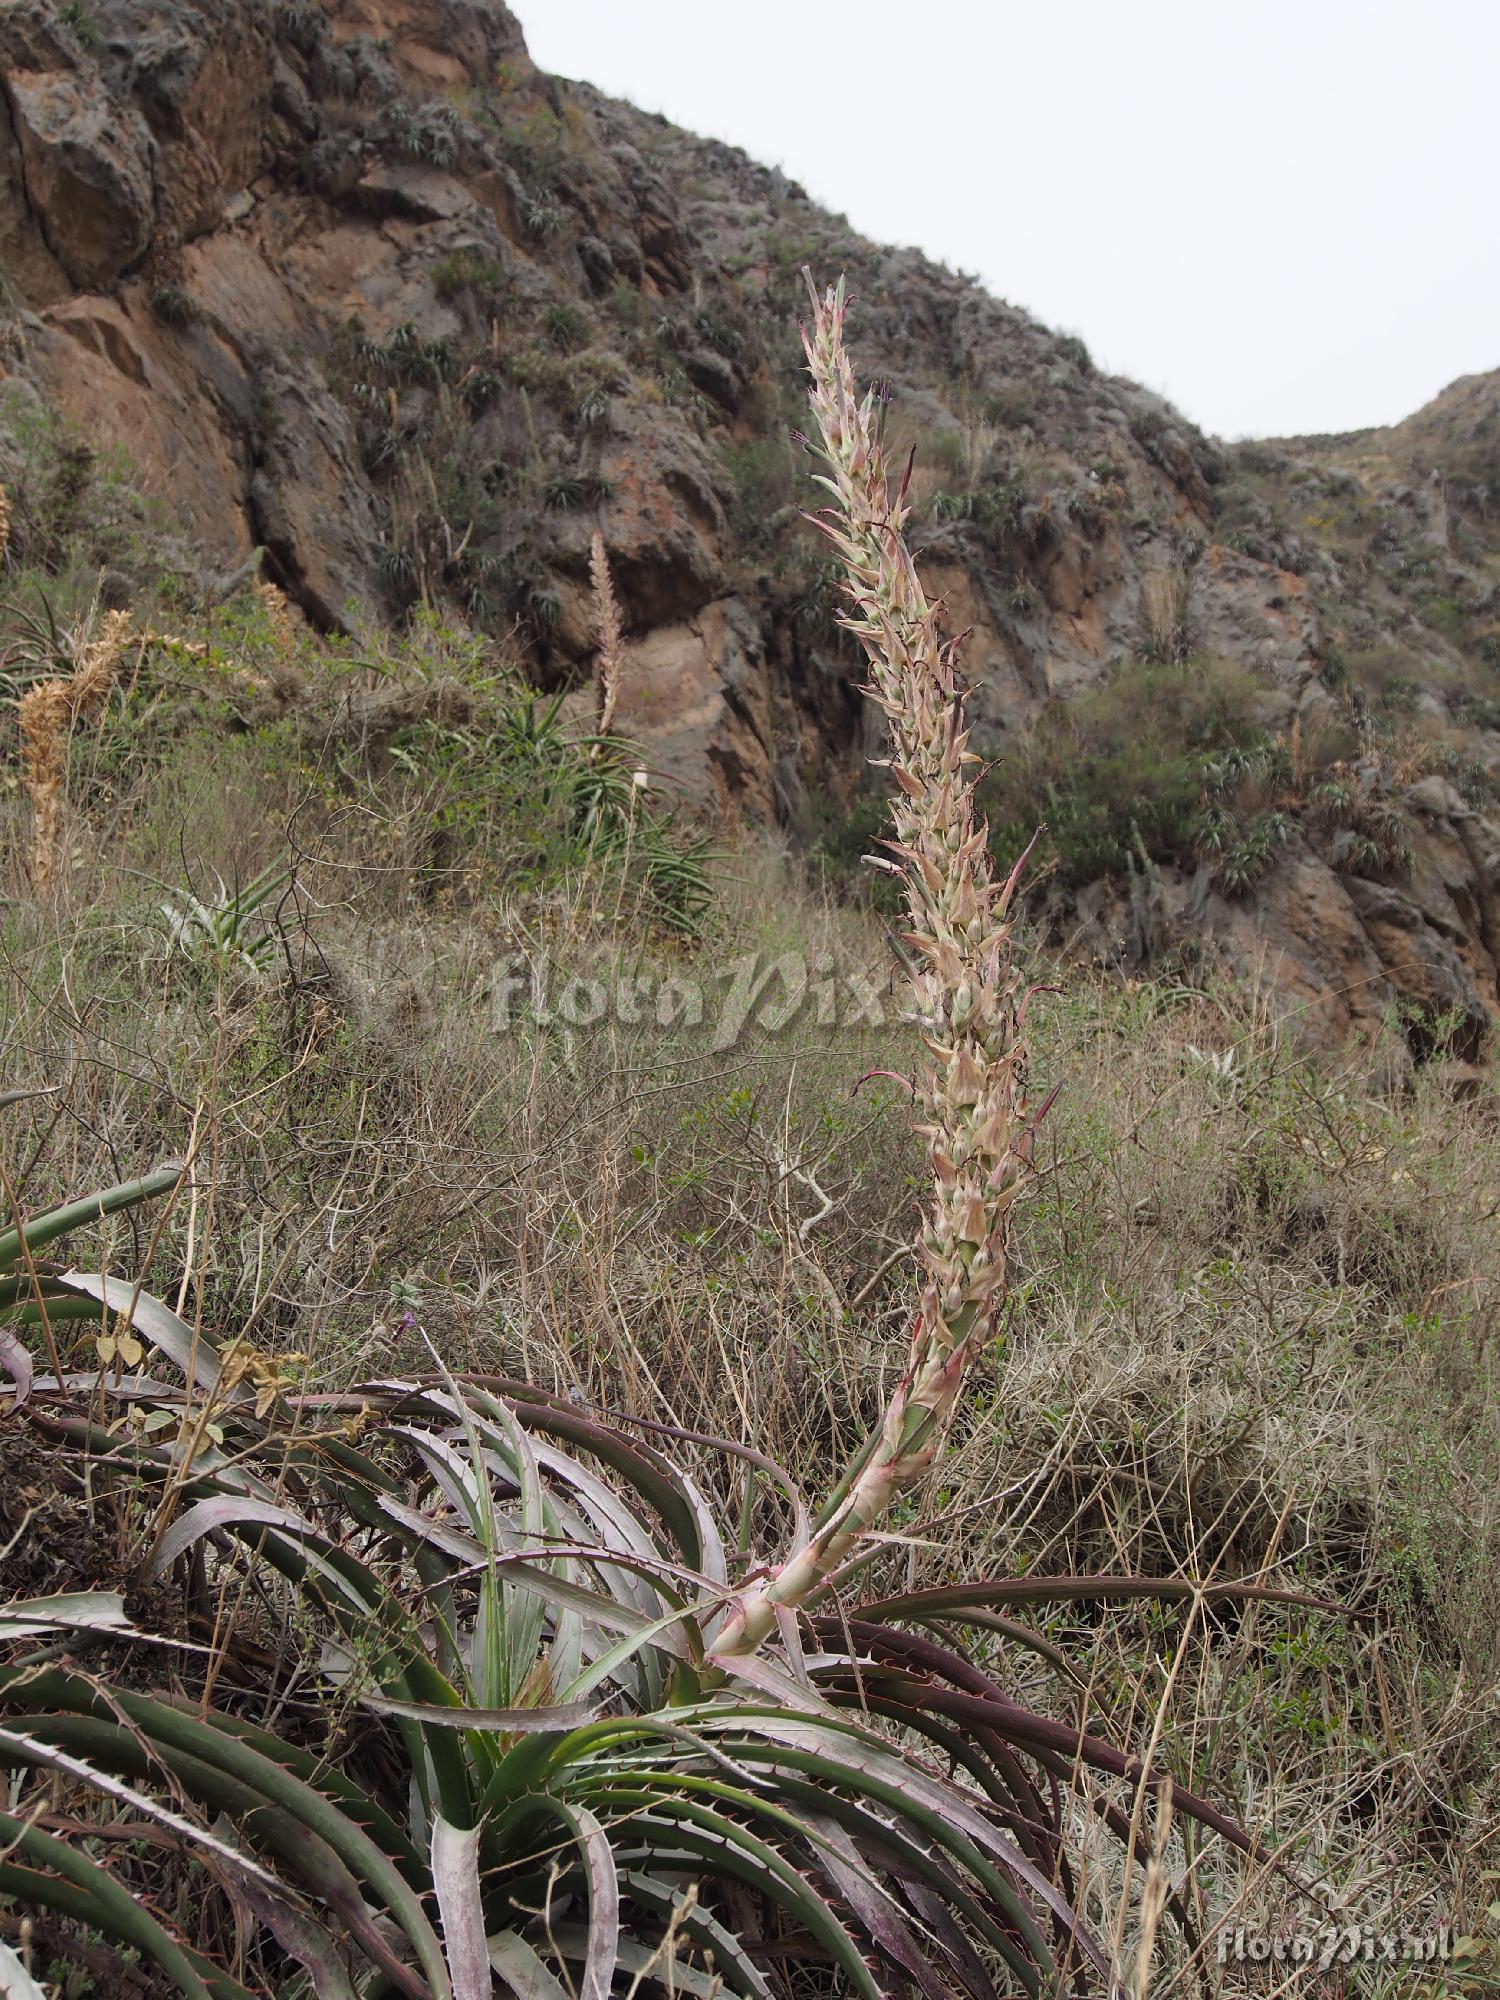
{"x": 471, "y": 1692}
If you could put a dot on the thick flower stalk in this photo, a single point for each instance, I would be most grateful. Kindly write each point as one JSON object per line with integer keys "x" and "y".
{"x": 47, "y": 711}
{"x": 608, "y": 630}
{"x": 972, "y": 1092}
{"x": 280, "y": 616}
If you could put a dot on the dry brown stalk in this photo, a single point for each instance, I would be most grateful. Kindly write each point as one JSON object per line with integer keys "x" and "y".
{"x": 279, "y": 614}
{"x": 4, "y": 522}
{"x": 972, "y": 1096}
{"x": 1164, "y": 615}
{"x": 607, "y": 628}
{"x": 47, "y": 712}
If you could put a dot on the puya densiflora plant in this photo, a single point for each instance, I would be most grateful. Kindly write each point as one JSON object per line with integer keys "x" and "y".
{"x": 504, "y": 1714}
{"x": 967, "y": 987}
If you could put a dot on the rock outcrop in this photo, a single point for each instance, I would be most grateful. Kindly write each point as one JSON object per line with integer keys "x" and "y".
{"x": 357, "y": 284}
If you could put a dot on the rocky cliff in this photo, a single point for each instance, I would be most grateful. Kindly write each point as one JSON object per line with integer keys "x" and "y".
{"x": 356, "y": 284}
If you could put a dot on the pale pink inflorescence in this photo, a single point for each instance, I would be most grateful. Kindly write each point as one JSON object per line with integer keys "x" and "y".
{"x": 607, "y": 629}
{"x": 972, "y": 1093}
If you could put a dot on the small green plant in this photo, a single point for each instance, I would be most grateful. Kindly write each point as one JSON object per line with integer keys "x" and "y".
{"x": 543, "y": 218}
{"x": 302, "y": 22}
{"x": 429, "y": 134}
{"x": 1246, "y": 858}
{"x": 228, "y": 931}
{"x": 564, "y": 325}
{"x": 174, "y": 305}
{"x": 468, "y": 270}
{"x": 86, "y": 30}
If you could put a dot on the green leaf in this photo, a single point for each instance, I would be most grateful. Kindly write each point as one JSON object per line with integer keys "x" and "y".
{"x": 68, "y": 1611}
{"x": 45, "y": 1228}
{"x": 64, "y": 1880}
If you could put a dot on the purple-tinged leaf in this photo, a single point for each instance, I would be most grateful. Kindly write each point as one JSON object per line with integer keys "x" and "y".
{"x": 604, "y": 1897}
{"x": 460, "y": 1900}
{"x": 302, "y": 1938}
{"x": 16, "y": 1362}
{"x": 870, "y": 1902}
{"x": 226, "y": 1510}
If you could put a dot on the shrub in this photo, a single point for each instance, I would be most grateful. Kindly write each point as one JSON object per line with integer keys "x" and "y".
{"x": 174, "y": 305}
{"x": 1098, "y": 778}
{"x": 468, "y": 269}
{"x": 564, "y": 325}
{"x": 1075, "y": 353}
{"x": 86, "y": 29}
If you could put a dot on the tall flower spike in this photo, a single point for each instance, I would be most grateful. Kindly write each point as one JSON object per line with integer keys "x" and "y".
{"x": 971, "y": 1096}
{"x": 46, "y": 712}
{"x": 607, "y": 630}
{"x": 280, "y": 617}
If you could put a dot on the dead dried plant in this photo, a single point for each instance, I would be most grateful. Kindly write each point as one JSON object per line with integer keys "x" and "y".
{"x": 48, "y": 711}
{"x": 279, "y": 613}
{"x": 1164, "y": 616}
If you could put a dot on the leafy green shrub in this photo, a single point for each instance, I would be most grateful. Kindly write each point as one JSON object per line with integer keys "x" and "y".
{"x": 840, "y": 841}
{"x": 468, "y": 269}
{"x": 86, "y": 29}
{"x": 995, "y": 506}
{"x": 1073, "y": 350}
{"x": 761, "y": 471}
{"x": 564, "y": 325}
{"x": 227, "y": 931}
{"x": 558, "y": 802}
{"x": 1128, "y": 757}
{"x": 174, "y": 305}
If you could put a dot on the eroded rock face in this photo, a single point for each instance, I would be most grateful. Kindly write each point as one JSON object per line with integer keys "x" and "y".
{"x": 356, "y": 284}
{"x": 84, "y": 165}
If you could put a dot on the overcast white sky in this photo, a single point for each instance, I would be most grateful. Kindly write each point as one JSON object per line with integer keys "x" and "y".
{"x": 1284, "y": 215}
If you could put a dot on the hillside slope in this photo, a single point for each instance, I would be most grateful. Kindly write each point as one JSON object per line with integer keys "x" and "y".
{"x": 357, "y": 284}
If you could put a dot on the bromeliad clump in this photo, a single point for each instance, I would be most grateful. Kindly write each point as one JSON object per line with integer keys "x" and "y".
{"x": 967, "y": 989}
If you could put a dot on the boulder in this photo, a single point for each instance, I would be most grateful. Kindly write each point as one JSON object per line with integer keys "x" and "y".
{"x": 86, "y": 168}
